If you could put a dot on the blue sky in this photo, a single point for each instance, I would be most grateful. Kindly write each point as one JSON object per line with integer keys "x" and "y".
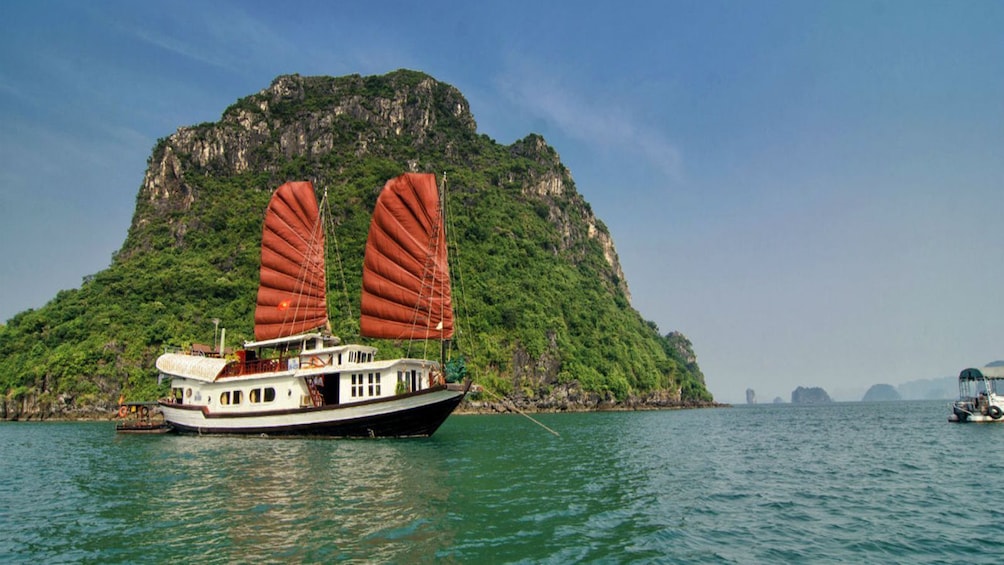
{"x": 811, "y": 191}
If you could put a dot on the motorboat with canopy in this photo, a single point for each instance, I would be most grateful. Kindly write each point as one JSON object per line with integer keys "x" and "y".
{"x": 981, "y": 395}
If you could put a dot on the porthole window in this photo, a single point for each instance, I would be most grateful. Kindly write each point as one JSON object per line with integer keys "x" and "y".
{"x": 269, "y": 394}
{"x": 225, "y": 398}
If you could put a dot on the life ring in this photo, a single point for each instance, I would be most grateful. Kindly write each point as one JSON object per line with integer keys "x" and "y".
{"x": 995, "y": 412}
{"x": 123, "y": 410}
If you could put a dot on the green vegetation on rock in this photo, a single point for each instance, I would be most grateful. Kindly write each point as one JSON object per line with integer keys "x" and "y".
{"x": 541, "y": 299}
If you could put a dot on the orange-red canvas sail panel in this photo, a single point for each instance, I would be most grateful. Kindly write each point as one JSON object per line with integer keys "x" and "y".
{"x": 406, "y": 279}
{"x": 291, "y": 290}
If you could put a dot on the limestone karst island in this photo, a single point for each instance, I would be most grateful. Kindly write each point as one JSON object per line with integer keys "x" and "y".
{"x": 545, "y": 320}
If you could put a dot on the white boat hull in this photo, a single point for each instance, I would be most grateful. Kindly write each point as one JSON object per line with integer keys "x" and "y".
{"x": 970, "y": 411}
{"x": 417, "y": 414}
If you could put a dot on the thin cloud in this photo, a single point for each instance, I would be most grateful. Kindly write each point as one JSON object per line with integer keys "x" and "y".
{"x": 9, "y": 89}
{"x": 602, "y": 126}
{"x": 230, "y": 39}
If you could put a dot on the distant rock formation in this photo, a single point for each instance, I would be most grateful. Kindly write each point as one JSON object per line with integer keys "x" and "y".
{"x": 807, "y": 395}
{"x": 881, "y": 393}
{"x": 944, "y": 388}
{"x": 778, "y": 400}
{"x": 750, "y": 396}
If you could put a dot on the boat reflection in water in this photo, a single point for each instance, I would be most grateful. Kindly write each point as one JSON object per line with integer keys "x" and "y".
{"x": 236, "y": 499}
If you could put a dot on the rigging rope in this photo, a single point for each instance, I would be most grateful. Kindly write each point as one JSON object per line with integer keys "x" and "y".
{"x": 514, "y": 407}
{"x": 338, "y": 257}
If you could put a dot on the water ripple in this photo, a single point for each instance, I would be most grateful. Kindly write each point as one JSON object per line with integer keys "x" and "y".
{"x": 830, "y": 484}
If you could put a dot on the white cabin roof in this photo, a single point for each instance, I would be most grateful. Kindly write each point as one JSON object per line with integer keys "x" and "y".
{"x": 993, "y": 372}
{"x": 191, "y": 366}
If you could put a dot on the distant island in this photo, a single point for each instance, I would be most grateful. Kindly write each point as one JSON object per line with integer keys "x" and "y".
{"x": 881, "y": 393}
{"x": 810, "y": 395}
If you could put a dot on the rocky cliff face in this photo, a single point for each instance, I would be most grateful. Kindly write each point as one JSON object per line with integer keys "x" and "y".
{"x": 553, "y": 184}
{"x": 256, "y": 131}
{"x": 262, "y": 131}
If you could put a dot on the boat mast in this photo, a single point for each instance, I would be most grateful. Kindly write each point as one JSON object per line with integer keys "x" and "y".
{"x": 444, "y": 345}
{"x": 324, "y": 251}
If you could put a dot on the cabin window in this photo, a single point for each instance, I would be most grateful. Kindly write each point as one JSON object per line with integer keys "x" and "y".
{"x": 374, "y": 384}
{"x": 254, "y": 397}
{"x": 357, "y": 385}
{"x": 236, "y": 397}
{"x": 339, "y": 358}
{"x": 225, "y": 398}
{"x": 269, "y": 394}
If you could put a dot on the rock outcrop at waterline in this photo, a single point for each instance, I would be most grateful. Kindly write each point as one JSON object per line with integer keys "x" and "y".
{"x": 571, "y": 398}
{"x": 545, "y": 303}
{"x": 31, "y": 407}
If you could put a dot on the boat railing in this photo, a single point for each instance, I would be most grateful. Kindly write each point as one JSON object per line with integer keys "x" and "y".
{"x": 254, "y": 366}
{"x": 196, "y": 349}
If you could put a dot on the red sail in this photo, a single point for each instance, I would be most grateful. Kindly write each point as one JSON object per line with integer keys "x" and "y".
{"x": 406, "y": 279}
{"x": 291, "y": 292}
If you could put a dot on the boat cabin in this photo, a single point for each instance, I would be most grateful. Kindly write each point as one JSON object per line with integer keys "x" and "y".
{"x": 307, "y": 370}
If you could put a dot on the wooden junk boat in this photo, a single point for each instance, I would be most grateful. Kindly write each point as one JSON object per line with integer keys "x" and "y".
{"x": 297, "y": 378}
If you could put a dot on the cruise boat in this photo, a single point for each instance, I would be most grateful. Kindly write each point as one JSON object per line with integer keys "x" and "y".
{"x": 297, "y": 378}
{"x": 981, "y": 395}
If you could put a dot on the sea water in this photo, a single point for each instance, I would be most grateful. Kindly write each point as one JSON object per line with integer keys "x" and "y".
{"x": 841, "y": 483}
